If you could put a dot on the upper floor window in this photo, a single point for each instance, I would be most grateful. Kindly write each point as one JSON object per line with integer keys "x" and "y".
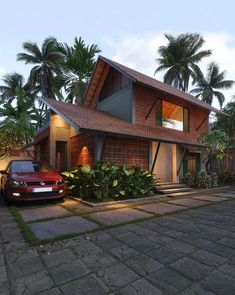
{"x": 172, "y": 116}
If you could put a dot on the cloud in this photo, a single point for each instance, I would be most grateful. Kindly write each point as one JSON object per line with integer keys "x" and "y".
{"x": 140, "y": 53}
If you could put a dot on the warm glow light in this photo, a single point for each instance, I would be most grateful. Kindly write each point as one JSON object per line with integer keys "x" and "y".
{"x": 84, "y": 156}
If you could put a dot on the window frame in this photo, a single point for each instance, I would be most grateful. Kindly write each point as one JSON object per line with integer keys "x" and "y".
{"x": 159, "y": 120}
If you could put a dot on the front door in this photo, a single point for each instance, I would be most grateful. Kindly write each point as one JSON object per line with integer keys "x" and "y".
{"x": 61, "y": 156}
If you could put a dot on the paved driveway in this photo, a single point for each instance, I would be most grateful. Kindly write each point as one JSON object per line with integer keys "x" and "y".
{"x": 186, "y": 253}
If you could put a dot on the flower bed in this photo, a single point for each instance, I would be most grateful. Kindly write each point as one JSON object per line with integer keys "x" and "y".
{"x": 107, "y": 181}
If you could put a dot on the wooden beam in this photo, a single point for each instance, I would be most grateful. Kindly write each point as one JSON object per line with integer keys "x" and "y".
{"x": 155, "y": 156}
{"x": 100, "y": 83}
{"x": 178, "y": 171}
{"x": 152, "y": 106}
{"x": 203, "y": 121}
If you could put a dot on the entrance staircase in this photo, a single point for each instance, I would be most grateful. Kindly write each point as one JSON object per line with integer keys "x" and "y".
{"x": 172, "y": 189}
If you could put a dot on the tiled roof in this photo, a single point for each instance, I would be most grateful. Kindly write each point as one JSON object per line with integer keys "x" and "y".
{"x": 157, "y": 85}
{"x": 93, "y": 120}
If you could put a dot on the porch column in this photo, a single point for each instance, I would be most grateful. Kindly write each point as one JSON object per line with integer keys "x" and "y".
{"x": 175, "y": 177}
{"x": 155, "y": 156}
{"x": 99, "y": 147}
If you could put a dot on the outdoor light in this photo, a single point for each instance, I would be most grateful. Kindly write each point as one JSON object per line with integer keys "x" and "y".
{"x": 18, "y": 183}
{"x": 61, "y": 191}
{"x": 16, "y": 194}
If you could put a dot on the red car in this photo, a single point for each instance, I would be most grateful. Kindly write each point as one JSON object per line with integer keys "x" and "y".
{"x": 25, "y": 180}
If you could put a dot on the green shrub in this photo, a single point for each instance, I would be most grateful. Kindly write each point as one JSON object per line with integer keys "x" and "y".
{"x": 227, "y": 177}
{"x": 201, "y": 180}
{"x": 105, "y": 180}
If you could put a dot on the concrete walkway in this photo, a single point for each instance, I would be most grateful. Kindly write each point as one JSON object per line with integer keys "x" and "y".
{"x": 187, "y": 252}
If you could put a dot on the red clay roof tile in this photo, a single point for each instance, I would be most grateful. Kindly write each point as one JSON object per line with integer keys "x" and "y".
{"x": 157, "y": 85}
{"x": 93, "y": 120}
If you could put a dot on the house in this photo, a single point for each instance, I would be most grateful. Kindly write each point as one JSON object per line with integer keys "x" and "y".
{"x": 126, "y": 118}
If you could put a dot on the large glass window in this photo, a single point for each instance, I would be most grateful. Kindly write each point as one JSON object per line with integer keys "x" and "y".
{"x": 172, "y": 116}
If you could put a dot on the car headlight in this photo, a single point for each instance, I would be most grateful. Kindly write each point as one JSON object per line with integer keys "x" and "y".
{"x": 18, "y": 183}
{"x": 60, "y": 181}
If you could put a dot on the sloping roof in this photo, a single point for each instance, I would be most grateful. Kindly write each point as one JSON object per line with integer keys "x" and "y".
{"x": 100, "y": 122}
{"x": 147, "y": 81}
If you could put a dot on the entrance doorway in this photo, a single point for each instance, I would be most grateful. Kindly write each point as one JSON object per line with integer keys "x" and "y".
{"x": 61, "y": 156}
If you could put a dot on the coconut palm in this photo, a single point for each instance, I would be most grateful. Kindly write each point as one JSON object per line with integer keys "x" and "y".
{"x": 78, "y": 68}
{"x": 11, "y": 82}
{"x": 19, "y": 117}
{"x": 179, "y": 59}
{"x": 46, "y": 63}
{"x": 207, "y": 87}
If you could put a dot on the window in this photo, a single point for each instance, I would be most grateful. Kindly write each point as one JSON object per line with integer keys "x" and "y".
{"x": 172, "y": 116}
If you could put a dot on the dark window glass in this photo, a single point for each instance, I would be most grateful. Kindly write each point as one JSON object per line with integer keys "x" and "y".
{"x": 28, "y": 166}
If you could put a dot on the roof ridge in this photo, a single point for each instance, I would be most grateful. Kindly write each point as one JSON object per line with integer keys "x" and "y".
{"x": 178, "y": 93}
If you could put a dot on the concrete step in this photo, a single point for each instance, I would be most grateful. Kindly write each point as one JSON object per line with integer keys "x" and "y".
{"x": 175, "y": 190}
{"x": 199, "y": 191}
{"x": 164, "y": 182}
{"x": 170, "y": 186}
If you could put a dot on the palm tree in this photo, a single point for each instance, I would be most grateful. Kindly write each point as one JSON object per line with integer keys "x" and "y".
{"x": 207, "y": 86}
{"x": 8, "y": 89}
{"x": 78, "y": 68}
{"x": 179, "y": 59}
{"x": 18, "y": 117}
{"x": 46, "y": 64}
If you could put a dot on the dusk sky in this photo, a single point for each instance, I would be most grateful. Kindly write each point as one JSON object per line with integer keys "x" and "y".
{"x": 127, "y": 31}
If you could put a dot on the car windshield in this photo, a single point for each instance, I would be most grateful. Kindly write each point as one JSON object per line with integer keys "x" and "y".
{"x": 27, "y": 166}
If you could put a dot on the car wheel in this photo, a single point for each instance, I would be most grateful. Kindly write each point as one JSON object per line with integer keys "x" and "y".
{"x": 6, "y": 200}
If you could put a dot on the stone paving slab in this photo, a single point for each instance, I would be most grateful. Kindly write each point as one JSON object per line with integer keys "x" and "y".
{"x": 120, "y": 215}
{"x": 160, "y": 208}
{"x": 53, "y": 228}
{"x": 76, "y": 206}
{"x": 188, "y": 202}
{"x": 45, "y": 212}
{"x": 225, "y": 195}
{"x": 210, "y": 198}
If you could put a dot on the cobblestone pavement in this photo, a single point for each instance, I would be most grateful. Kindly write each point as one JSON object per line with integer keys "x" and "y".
{"x": 188, "y": 253}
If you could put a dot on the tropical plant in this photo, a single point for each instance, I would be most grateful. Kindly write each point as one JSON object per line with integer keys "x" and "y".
{"x": 10, "y": 141}
{"x": 215, "y": 142}
{"x": 12, "y": 82}
{"x": 106, "y": 180}
{"x": 207, "y": 87}
{"x": 201, "y": 180}
{"x": 18, "y": 118}
{"x": 78, "y": 67}
{"x": 47, "y": 65}
{"x": 226, "y": 121}
{"x": 180, "y": 57}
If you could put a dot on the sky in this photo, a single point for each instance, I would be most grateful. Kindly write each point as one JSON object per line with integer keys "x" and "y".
{"x": 127, "y": 31}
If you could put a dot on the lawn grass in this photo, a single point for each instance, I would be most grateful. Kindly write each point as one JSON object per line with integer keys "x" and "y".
{"x": 24, "y": 227}
{"x": 34, "y": 241}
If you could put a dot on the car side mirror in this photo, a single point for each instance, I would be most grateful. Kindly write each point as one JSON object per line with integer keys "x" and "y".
{"x": 3, "y": 172}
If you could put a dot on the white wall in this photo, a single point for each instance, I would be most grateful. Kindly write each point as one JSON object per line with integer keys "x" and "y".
{"x": 166, "y": 164}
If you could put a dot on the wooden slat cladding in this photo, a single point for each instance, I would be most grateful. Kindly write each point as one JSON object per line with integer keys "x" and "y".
{"x": 96, "y": 83}
{"x": 144, "y": 98}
